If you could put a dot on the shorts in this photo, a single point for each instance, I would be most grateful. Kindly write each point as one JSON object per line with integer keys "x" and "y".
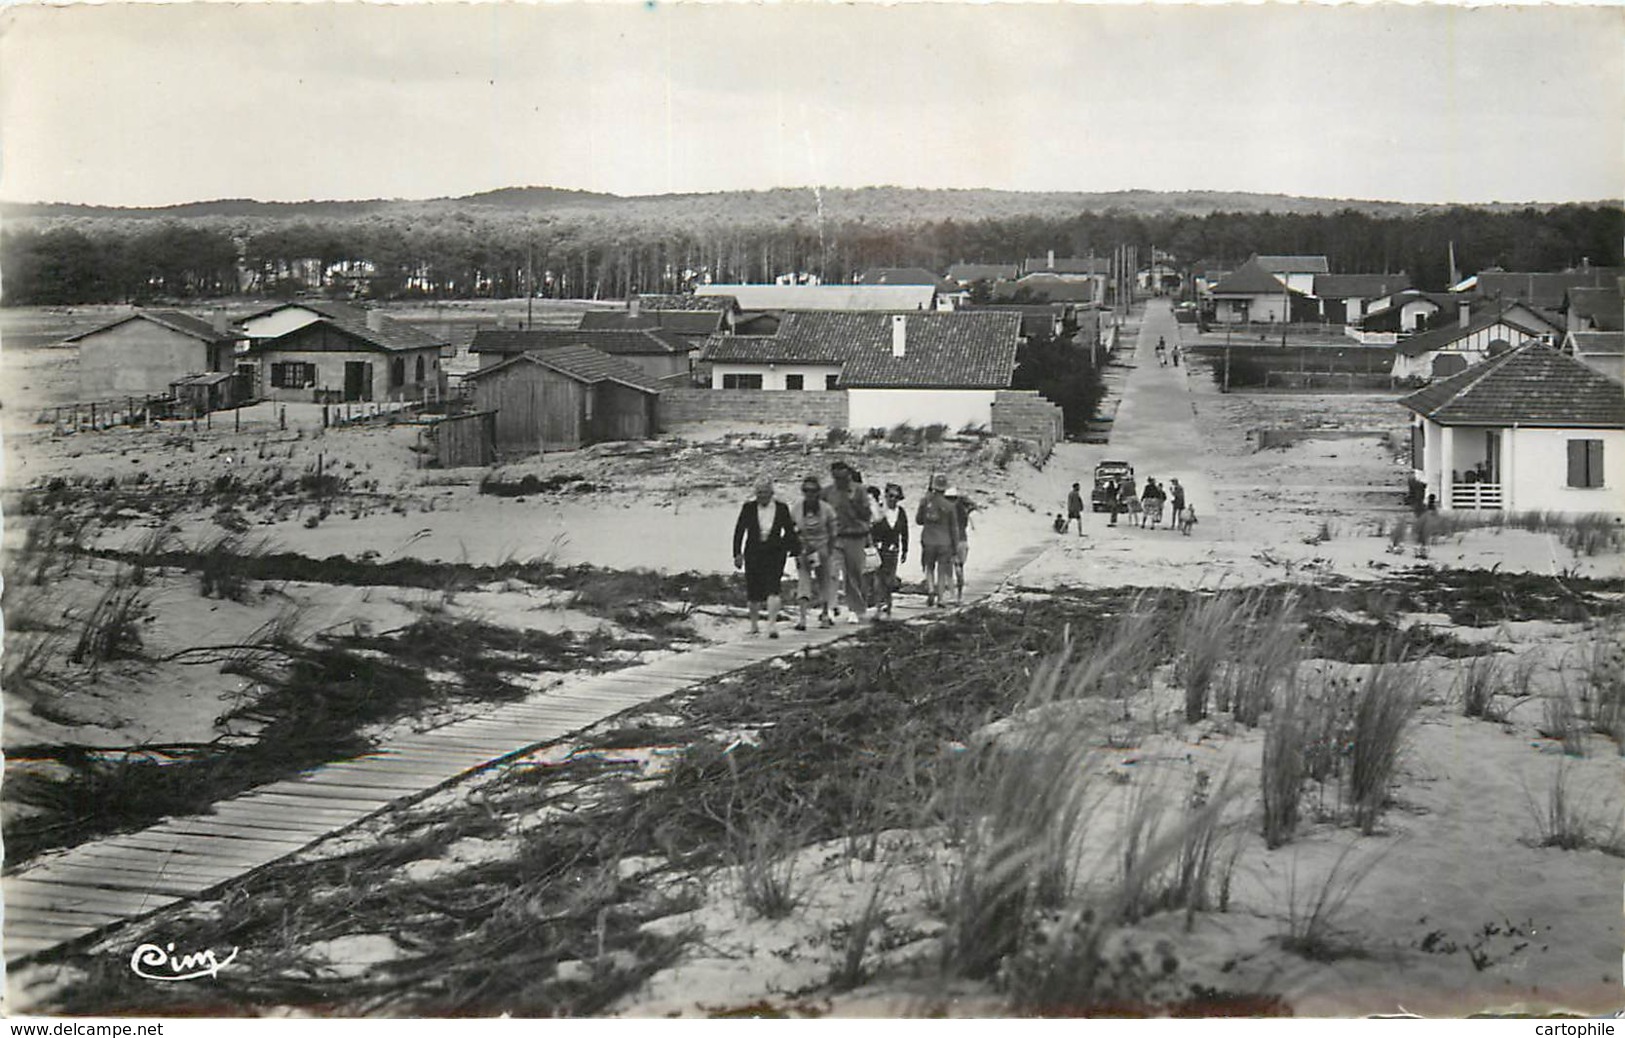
{"x": 934, "y": 555}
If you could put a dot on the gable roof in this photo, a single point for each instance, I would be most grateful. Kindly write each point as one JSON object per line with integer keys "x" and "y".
{"x": 1542, "y": 288}
{"x": 174, "y": 320}
{"x": 323, "y": 307}
{"x": 968, "y": 272}
{"x": 1360, "y": 286}
{"x": 582, "y": 363}
{"x": 962, "y": 350}
{"x": 1532, "y": 384}
{"x": 1037, "y": 319}
{"x": 1250, "y": 279}
{"x": 827, "y": 297}
{"x": 621, "y": 342}
{"x": 1439, "y": 338}
{"x": 905, "y": 276}
{"x": 391, "y": 335}
{"x": 1603, "y": 307}
{"x": 1294, "y": 264}
{"x": 674, "y": 322}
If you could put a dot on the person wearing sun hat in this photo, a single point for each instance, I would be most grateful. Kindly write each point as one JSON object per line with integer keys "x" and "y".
{"x": 962, "y": 509}
{"x": 938, "y": 527}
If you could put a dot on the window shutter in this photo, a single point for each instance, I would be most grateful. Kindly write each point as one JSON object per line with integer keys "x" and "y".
{"x": 1577, "y": 463}
{"x": 1593, "y": 463}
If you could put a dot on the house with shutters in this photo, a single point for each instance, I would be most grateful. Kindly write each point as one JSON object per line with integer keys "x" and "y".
{"x": 1529, "y": 430}
{"x": 339, "y": 359}
{"x": 1471, "y": 338}
{"x": 146, "y": 352}
{"x": 920, "y": 368}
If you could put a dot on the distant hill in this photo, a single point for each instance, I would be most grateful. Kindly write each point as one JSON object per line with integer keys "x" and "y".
{"x": 879, "y": 205}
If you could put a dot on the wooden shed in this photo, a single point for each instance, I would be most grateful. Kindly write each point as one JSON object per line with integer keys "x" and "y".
{"x": 209, "y": 391}
{"x": 565, "y": 398}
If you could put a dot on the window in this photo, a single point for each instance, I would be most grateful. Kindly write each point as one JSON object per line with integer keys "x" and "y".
{"x": 830, "y": 381}
{"x": 293, "y": 375}
{"x": 420, "y": 368}
{"x": 1585, "y": 463}
{"x": 794, "y": 382}
{"x": 741, "y": 382}
{"x": 1419, "y": 435}
{"x": 397, "y": 373}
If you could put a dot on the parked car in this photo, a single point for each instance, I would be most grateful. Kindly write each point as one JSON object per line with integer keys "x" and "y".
{"x": 1107, "y": 475}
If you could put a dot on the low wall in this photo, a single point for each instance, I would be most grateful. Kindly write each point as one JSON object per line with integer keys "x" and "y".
{"x": 1022, "y": 414}
{"x": 745, "y": 407}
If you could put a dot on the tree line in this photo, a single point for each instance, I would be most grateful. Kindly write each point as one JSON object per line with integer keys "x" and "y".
{"x": 462, "y": 254}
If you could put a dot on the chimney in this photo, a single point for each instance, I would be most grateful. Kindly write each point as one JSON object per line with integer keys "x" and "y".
{"x": 1050, "y": 261}
{"x": 219, "y": 321}
{"x": 1464, "y": 313}
{"x": 899, "y": 334}
{"x": 632, "y": 306}
{"x": 375, "y": 320}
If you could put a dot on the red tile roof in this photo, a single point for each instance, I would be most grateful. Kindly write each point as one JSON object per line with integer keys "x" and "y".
{"x": 676, "y": 322}
{"x": 391, "y": 336}
{"x": 1294, "y": 264}
{"x": 1532, "y": 385}
{"x": 685, "y": 301}
{"x": 974, "y": 350}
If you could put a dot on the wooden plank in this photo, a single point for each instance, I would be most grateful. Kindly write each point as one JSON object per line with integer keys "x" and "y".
{"x": 65, "y": 897}
{"x": 327, "y": 798}
{"x": 176, "y": 886}
{"x": 149, "y": 864}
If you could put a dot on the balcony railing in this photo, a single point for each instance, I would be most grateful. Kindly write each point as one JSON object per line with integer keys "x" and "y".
{"x": 1476, "y": 497}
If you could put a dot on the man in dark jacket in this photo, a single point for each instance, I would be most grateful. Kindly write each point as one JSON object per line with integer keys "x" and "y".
{"x": 764, "y": 536}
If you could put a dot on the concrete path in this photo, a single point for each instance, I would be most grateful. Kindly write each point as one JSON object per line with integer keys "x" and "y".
{"x": 73, "y": 895}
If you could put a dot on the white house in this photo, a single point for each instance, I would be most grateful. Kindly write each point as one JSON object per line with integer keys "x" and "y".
{"x": 1387, "y": 319}
{"x": 285, "y": 317}
{"x": 1344, "y": 298}
{"x": 920, "y": 368}
{"x": 333, "y": 360}
{"x": 1251, "y": 294}
{"x": 1528, "y": 430}
{"x": 1440, "y": 352}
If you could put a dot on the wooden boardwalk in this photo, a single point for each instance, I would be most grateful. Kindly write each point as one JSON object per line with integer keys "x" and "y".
{"x": 72, "y": 895}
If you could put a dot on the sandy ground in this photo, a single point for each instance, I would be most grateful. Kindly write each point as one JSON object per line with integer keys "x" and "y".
{"x": 1455, "y": 868}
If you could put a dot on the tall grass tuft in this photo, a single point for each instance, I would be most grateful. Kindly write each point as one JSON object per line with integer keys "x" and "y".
{"x": 1263, "y": 659}
{"x": 1562, "y": 824}
{"x": 1286, "y": 740}
{"x": 1481, "y": 679}
{"x": 1204, "y": 636}
{"x": 111, "y": 629}
{"x": 1021, "y": 809}
{"x": 763, "y": 852}
{"x": 1561, "y": 721}
{"x": 1382, "y": 714}
{"x": 1312, "y": 929}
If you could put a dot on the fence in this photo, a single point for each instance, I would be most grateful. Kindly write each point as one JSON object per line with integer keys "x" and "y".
{"x": 1477, "y": 497}
{"x": 104, "y": 414}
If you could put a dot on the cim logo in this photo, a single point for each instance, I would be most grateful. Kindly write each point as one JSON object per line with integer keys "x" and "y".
{"x": 156, "y": 962}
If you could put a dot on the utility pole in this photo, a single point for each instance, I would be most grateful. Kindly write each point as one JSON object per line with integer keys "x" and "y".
{"x": 530, "y": 287}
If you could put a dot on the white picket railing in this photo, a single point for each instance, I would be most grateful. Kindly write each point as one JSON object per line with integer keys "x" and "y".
{"x": 1476, "y": 497}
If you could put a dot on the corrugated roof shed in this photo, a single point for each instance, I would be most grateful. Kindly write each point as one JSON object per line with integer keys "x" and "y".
{"x": 1532, "y": 385}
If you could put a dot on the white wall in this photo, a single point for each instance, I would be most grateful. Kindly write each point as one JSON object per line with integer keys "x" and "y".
{"x": 884, "y": 408}
{"x": 773, "y": 376}
{"x": 1474, "y": 347}
{"x": 1537, "y": 464}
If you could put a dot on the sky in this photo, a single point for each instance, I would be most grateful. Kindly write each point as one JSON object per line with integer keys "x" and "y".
{"x": 152, "y": 105}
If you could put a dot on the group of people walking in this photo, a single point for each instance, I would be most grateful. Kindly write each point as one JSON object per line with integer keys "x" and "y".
{"x": 1163, "y": 352}
{"x": 1148, "y": 506}
{"x": 849, "y": 536}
